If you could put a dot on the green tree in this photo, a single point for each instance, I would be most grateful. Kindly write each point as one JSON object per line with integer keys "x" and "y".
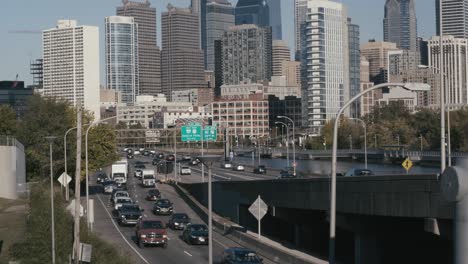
{"x": 136, "y": 126}
{"x": 121, "y": 125}
{"x": 8, "y": 120}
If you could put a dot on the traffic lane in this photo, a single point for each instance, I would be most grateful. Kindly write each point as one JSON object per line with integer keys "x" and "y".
{"x": 219, "y": 241}
{"x": 177, "y": 251}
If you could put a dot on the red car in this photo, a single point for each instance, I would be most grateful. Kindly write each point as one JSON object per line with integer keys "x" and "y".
{"x": 151, "y": 232}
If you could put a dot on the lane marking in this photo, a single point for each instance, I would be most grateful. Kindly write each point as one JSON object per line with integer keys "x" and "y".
{"x": 188, "y": 253}
{"x": 121, "y": 234}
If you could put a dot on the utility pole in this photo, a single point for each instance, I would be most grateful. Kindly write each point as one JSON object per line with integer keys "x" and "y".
{"x": 76, "y": 250}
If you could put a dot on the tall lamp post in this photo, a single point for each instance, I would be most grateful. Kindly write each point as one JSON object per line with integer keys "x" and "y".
{"x": 208, "y": 161}
{"x": 294, "y": 142}
{"x": 365, "y": 138}
{"x": 67, "y": 191}
{"x": 407, "y": 86}
{"x": 51, "y": 142}
{"x": 287, "y": 141}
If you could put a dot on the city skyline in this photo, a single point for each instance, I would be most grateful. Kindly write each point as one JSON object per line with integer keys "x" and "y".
{"x": 20, "y": 49}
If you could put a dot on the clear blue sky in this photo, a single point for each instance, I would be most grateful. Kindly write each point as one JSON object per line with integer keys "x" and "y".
{"x": 16, "y": 50}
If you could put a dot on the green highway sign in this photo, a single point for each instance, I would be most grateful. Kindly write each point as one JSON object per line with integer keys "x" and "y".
{"x": 191, "y": 133}
{"x": 210, "y": 133}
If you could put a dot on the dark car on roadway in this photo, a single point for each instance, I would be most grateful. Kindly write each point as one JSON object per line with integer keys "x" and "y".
{"x": 196, "y": 234}
{"x": 129, "y": 214}
{"x": 146, "y": 153}
{"x": 193, "y": 162}
{"x": 160, "y": 156}
{"x": 178, "y": 221}
{"x": 153, "y": 195}
{"x": 359, "y": 172}
{"x": 240, "y": 256}
{"x": 261, "y": 169}
{"x": 186, "y": 157}
{"x": 140, "y": 166}
{"x": 170, "y": 157}
{"x": 162, "y": 207}
{"x": 151, "y": 232}
{"x": 101, "y": 176}
{"x": 130, "y": 156}
{"x": 287, "y": 173}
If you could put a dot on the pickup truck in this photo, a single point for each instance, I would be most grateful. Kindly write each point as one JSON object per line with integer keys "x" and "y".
{"x": 151, "y": 232}
{"x": 148, "y": 178}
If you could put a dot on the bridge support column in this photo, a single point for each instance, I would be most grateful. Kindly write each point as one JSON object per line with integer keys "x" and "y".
{"x": 366, "y": 249}
{"x": 454, "y": 185}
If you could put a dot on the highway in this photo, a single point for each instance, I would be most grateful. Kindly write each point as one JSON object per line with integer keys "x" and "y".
{"x": 177, "y": 251}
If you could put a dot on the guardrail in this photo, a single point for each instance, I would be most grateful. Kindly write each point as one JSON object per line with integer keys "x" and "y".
{"x": 11, "y": 142}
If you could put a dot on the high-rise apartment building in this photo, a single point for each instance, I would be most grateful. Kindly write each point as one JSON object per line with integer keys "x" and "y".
{"x": 354, "y": 65}
{"x": 122, "y": 56}
{"x": 219, "y": 17}
{"x": 71, "y": 64}
{"x": 454, "y": 18}
{"x": 455, "y": 59}
{"x": 300, "y": 16}
{"x": 247, "y": 52}
{"x": 400, "y": 24}
{"x": 149, "y": 54}
{"x": 326, "y": 62}
{"x": 377, "y": 55}
{"x": 182, "y": 58}
{"x": 292, "y": 71}
{"x": 280, "y": 53}
{"x": 275, "y": 19}
{"x": 255, "y": 12}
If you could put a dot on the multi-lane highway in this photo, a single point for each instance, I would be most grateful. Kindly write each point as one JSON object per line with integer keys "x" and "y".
{"x": 177, "y": 251}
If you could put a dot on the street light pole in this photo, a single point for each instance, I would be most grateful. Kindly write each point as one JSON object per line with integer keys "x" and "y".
{"x": 294, "y": 142}
{"x": 51, "y": 141}
{"x": 365, "y": 138}
{"x": 67, "y": 191}
{"x": 287, "y": 141}
{"x": 407, "y": 86}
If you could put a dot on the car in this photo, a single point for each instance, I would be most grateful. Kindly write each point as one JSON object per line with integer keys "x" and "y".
{"x": 129, "y": 151}
{"x": 195, "y": 234}
{"x": 148, "y": 179}
{"x": 142, "y": 149}
{"x": 136, "y": 152}
{"x": 236, "y": 255}
{"x": 153, "y": 195}
{"x": 155, "y": 162}
{"x": 261, "y": 169}
{"x": 287, "y": 173}
{"x": 125, "y": 150}
{"x": 138, "y": 173}
{"x": 146, "y": 153}
{"x": 121, "y": 201}
{"x": 140, "y": 166}
{"x": 130, "y": 156}
{"x": 151, "y": 232}
{"x": 186, "y": 157}
{"x": 101, "y": 176}
{"x": 162, "y": 207}
{"x": 153, "y": 152}
{"x": 129, "y": 214}
{"x": 170, "y": 157}
{"x": 160, "y": 156}
{"x": 109, "y": 186}
{"x": 226, "y": 165}
{"x": 359, "y": 172}
{"x": 238, "y": 167}
{"x": 185, "y": 171}
{"x": 193, "y": 162}
{"x": 117, "y": 194}
{"x": 178, "y": 221}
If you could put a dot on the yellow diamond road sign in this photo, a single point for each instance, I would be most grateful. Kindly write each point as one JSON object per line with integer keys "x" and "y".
{"x": 407, "y": 164}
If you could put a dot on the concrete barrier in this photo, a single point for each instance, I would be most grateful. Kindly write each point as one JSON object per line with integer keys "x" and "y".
{"x": 239, "y": 235}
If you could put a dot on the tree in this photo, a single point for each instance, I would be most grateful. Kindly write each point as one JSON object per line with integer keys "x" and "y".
{"x": 7, "y": 121}
{"x": 121, "y": 125}
{"x": 136, "y": 126}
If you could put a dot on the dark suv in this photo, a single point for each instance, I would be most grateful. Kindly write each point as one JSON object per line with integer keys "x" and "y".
{"x": 196, "y": 234}
{"x": 162, "y": 207}
{"x": 153, "y": 195}
{"x": 129, "y": 214}
{"x": 151, "y": 232}
{"x": 178, "y": 221}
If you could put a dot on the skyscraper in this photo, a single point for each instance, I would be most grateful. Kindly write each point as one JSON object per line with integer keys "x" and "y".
{"x": 246, "y": 63}
{"x": 400, "y": 24}
{"x": 182, "y": 58}
{"x": 300, "y": 16}
{"x": 354, "y": 65}
{"x": 255, "y": 12}
{"x": 275, "y": 19}
{"x": 326, "y": 62}
{"x": 376, "y": 54}
{"x": 71, "y": 64}
{"x": 454, "y": 18}
{"x": 219, "y": 17}
{"x": 280, "y": 53}
{"x": 455, "y": 58}
{"x": 149, "y": 55}
{"x": 122, "y": 56}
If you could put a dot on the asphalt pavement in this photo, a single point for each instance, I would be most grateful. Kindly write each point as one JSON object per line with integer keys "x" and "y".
{"x": 177, "y": 251}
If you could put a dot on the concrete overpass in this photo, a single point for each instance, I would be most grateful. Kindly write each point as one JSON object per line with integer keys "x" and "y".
{"x": 384, "y": 219}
